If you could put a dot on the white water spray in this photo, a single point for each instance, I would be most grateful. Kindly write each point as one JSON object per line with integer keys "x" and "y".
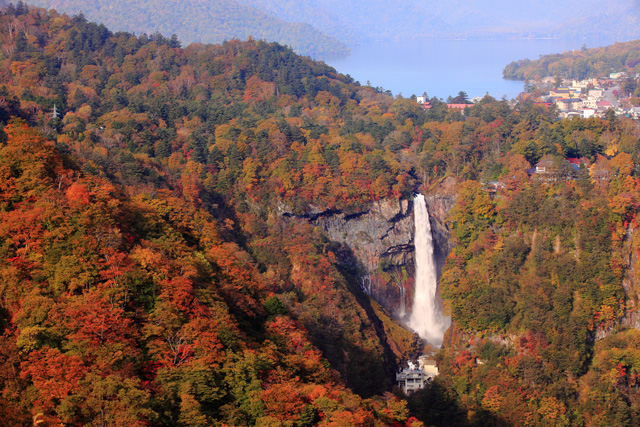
{"x": 426, "y": 316}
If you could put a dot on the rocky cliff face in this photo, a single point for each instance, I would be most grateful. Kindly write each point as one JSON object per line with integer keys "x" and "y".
{"x": 376, "y": 244}
{"x": 631, "y": 282}
{"x": 439, "y": 207}
{"x": 379, "y": 241}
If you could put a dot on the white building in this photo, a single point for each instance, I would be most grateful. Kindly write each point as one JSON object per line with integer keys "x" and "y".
{"x": 428, "y": 365}
{"x": 590, "y": 102}
{"x": 587, "y": 112}
{"x": 417, "y": 377}
{"x": 581, "y": 84}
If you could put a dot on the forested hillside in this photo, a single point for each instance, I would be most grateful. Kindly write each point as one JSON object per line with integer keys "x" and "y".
{"x": 138, "y": 288}
{"x": 193, "y": 21}
{"x": 579, "y": 64}
{"x": 157, "y": 266}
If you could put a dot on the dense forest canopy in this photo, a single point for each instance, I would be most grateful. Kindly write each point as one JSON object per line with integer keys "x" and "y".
{"x": 579, "y": 64}
{"x": 152, "y": 271}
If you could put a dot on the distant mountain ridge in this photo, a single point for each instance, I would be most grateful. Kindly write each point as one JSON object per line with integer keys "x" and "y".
{"x": 457, "y": 18}
{"x": 322, "y": 28}
{"x": 199, "y": 21}
{"x": 356, "y": 21}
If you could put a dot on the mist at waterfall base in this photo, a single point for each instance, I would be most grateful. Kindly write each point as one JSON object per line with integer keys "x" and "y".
{"x": 426, "y": 315}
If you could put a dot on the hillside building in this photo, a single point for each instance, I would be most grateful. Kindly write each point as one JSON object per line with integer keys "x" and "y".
{"x": 417, "y": 377}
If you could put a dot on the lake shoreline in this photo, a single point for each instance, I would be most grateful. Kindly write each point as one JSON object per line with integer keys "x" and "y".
{"x": 442, "y": 68}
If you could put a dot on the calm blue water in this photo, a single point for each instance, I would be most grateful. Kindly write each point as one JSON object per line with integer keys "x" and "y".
{"x": 445, "y": 67}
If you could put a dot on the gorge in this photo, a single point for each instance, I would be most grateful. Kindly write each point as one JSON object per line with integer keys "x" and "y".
{"x": 382, "y": 244}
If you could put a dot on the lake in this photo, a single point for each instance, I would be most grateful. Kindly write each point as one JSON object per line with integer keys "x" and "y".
{"x": 445, "y": 67}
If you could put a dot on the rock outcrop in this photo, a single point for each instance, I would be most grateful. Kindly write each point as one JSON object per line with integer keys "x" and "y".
{"x": 376, "y": 245}
{"x": 439, "y": 207}
{"x": 631, "y": 282}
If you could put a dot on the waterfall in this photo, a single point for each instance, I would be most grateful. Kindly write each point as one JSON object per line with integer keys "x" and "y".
{"x": 426, "y": 316}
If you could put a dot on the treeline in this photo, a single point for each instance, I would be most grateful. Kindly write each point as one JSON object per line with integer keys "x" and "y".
{"x": 579, "y": 64}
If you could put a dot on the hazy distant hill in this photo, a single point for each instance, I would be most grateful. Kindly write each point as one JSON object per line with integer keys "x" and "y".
{"x": 197, "y": 21}
{"x": 541, "y": 18}
{"x": 321, "y": 27}
{"x": 358, "y": 20}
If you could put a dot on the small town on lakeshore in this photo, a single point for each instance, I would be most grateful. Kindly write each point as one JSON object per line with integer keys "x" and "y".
{"x": 592, "y": 97}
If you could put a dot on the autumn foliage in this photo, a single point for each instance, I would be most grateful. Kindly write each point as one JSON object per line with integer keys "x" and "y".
{"x": 159, "y": 263}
